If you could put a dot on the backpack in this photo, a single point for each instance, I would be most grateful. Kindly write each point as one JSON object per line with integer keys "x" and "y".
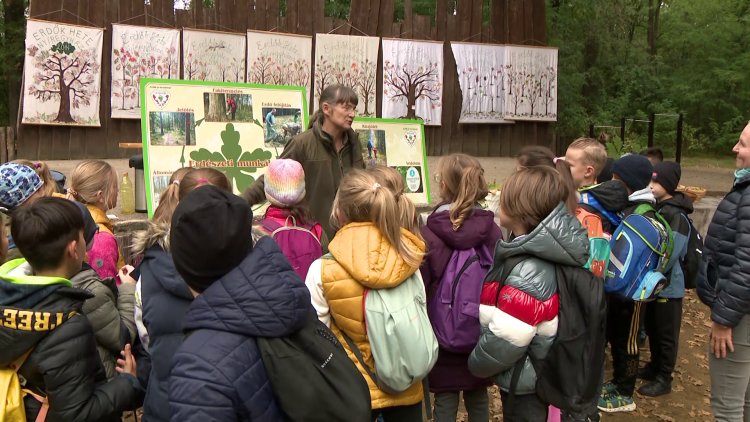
{"x": 298, "y": 243}
{"x": 608, "y": 219}
{"x": 693, "y": 258}
{"x": 569, "y": 376}
{"x": 313, "y": 378}
{"x": 403, "y": 345}
{"x": 599, "y": 249}
{"x": 11, "y": 387}
{"x": 453, "y": 306}
{"x": 641, "y": 247}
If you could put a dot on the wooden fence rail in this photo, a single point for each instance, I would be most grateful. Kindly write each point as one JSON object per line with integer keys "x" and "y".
{"x": 510, "y": 22}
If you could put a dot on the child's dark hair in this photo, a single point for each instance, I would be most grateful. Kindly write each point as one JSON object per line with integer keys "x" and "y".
{"x": 653, "y": 152}
{"x": 536, "y": 155}
{"x": 203, "y": 176}
{"x": 531, "y": 193}
{"x": 43, "y": 230}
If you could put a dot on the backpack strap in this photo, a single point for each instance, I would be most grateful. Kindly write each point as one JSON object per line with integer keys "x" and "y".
{"x": 358, "y": 354}
{"x": 16, "y": 366}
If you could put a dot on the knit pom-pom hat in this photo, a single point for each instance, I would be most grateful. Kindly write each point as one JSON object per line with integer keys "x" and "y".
{"x": 284, "y": 183}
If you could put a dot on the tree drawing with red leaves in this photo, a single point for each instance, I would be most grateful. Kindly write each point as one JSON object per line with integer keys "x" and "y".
{"x": 324, "y": 75}
{"x": 300, "y": 74}
{"x": 127, "y": 68}
{"x": 66, "y": 74}
{"x": 261, "y": 70}
{"x": 195, "y": 68}
{"x": 412, "y": 83}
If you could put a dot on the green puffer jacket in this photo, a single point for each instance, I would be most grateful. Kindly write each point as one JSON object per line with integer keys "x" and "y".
{"x": 324, "y": 168}
{"x": 111, "y": 313}
{"x": 524, "y": 322}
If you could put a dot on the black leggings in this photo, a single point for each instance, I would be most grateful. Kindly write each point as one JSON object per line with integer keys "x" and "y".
{"x": 409, "y": 413}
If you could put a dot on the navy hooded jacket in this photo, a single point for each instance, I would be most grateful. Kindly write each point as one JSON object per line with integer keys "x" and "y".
{"x": 217, "y": 374}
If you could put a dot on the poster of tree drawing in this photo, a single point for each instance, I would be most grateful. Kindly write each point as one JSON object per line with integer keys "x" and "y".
{"x": 137, "y": 52}
{"x": 481, "y": 75}
{"x": 348, "y": 60}
{"x": 531, "y": 83}
{"x": 62, "y": 74}
{"x": 213, "y": 56}
{"x": 279, "y": 59}
{"x": 413, "y": 80}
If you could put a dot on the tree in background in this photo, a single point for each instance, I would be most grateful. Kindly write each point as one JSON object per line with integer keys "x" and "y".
{"x": 412, "y": 83}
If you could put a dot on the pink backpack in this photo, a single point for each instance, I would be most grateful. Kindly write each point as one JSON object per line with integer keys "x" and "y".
{"x": 298, "y": 243}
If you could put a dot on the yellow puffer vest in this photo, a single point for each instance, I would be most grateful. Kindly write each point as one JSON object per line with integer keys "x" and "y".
{"x": 365, "y": 259}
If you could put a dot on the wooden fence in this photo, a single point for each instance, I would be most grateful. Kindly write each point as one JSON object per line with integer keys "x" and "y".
{"x": 510, "y": 22}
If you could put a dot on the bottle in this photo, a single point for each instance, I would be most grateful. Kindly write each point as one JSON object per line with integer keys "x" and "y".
{"x": 127, "y": 198}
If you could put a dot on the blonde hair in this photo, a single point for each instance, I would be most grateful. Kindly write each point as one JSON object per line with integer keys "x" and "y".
{"x": 42, "y": 170}
{"x": 531, "y": 194}
{"x": 170, "y": 197}
{"x": 361, "y": 198}
{"x": 536, "y": 155}
{"x": 392, "y": 179}
{"x": 594, "y": 153}
{"x": 462, "y": 185}
{"x": 89, "y": 179}
{"x": 197, "y": 177}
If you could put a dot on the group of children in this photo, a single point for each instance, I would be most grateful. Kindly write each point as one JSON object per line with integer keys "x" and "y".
{"x": 211, "y": 281}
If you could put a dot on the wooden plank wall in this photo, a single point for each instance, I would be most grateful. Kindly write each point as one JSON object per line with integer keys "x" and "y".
{"x": 511, "y": 22}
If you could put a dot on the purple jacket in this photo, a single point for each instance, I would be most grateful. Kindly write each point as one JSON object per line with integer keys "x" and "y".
{"x": 451, "y": 372}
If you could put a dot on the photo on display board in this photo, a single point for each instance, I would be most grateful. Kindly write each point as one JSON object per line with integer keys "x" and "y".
{"x": 372, "y": 142}
{"x": 228, "y": 107}
{"x": 280, "y": 125}
{"x": 412, "y": 178}
{"x": 172, "y": 128}
{"x": 161, "y": 183}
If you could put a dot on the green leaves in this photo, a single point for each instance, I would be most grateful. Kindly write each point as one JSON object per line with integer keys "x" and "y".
{"x": 236, "y": 164}
{"x": 63, "y": 48}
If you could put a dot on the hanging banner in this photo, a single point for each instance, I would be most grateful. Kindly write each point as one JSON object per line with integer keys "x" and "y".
{"x": 413, "y": 80}
{"x": 212, "y": 124}
{"x": 481, "y": 75}
{"x": 139, "y": 51}
{"x": 279, "y": 59}
{"x": 399, "y": 144}
{"x": 531, "y": 83}
{"x": 213, "y": 56}
{"x": 348, "y": 60}
{"x": 62, "y": 74}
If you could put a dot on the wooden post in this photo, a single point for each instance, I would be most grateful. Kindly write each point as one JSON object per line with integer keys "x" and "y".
{"x": 622, "y": 131}
{"x": 591, "y": 131}
{"x": 678, "y": 147}
{"x": 651, "y": 122}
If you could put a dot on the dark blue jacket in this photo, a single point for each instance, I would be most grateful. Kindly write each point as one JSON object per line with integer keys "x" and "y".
{"x": 725, "y": 285}
{"x": 166, "y": 299}
{"x": 218, "y": 374}
{"x": 675, "y": 210}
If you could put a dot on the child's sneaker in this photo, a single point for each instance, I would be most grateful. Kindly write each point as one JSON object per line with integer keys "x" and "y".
{"x": 616, "y": 402}
{"x": 608, "y": 388}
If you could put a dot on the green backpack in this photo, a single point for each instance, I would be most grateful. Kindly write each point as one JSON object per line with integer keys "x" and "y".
{"x": 403, "y": 344}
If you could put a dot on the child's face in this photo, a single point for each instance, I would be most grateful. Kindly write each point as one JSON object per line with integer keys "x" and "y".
{"x": 659, "y": 192}
{"x": 578, "y": 169}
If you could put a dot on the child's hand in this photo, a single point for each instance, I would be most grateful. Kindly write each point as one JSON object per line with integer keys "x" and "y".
{"x": 124, "y": 274}
{"x": 126, "y": 365}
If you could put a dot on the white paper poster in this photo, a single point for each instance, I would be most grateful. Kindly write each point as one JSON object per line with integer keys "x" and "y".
{"x": 213, "y": 56}
{"x": 481, "y": 75}
{"x": 62, "y": 74}
{"x": 139, "y": 51}
{"x": 348, "y": 60}
{"x": 279, "y": 59}
{"x": 413, "y": 80}
{"x": 531, "y": 83}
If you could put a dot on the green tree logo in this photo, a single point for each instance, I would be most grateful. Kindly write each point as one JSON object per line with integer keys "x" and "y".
{"x": 239, "y": 173}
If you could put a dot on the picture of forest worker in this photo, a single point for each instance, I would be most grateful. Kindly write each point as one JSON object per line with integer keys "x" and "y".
{"x": 327, "y": 150}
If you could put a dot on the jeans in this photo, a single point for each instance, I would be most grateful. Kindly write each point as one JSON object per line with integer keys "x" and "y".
{"x": 409, "y": 413}
{"x": 525, "y": 408}
{"x": 477, "y": 404}
{"x": 730, "y": 378}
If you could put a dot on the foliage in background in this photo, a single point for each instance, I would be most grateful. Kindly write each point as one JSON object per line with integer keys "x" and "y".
{"x": 628, "y": 58}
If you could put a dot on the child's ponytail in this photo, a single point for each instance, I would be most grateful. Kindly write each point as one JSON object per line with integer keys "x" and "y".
{"x": 462, "y": 185}
{"x": 42, "y": 170}
{"x": 392, "y": 179}
{"x": 169, "y": 198}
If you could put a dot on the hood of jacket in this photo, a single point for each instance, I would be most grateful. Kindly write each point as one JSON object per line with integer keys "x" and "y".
{"x": 678, "y": 200}
{"x": 159, "y": 263}
{"x": 31, "y": 307}
{"x": 612, "y": 195}
{"x": 559, "y": 238}
{"x": 155, "y": 234}
{"x": 366, "y": 254}
{"x": 261, "y": 297}
{"x": 474, "y": 231}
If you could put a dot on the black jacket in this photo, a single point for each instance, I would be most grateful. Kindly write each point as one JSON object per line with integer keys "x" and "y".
{"x": 64, "y": 365}
{"x": 725, "y": 283}
{"x": 606, "y": 200}
{"x": 675, "y": 210}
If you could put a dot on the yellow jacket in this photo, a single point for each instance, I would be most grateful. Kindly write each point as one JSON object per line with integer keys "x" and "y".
{"x": 365, "y": 259}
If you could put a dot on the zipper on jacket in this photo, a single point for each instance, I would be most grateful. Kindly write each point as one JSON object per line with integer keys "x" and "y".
{"x": 458, "y": 277}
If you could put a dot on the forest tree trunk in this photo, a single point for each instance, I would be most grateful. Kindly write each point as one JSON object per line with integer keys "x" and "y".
{"x": 63, "y": 112}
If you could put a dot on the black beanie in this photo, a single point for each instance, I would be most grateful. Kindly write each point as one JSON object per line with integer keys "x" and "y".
{"x": 211, "y": 234}
{"x": 634, "y": 170}
{"x": 667, "y": 174}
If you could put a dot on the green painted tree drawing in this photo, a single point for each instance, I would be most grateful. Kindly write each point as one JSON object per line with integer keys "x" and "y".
{"x": 239, "y": 173}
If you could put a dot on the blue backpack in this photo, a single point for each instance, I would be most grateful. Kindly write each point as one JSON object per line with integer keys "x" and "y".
{"x": 453, "y": 306}
{"x": 640, "y": 251}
